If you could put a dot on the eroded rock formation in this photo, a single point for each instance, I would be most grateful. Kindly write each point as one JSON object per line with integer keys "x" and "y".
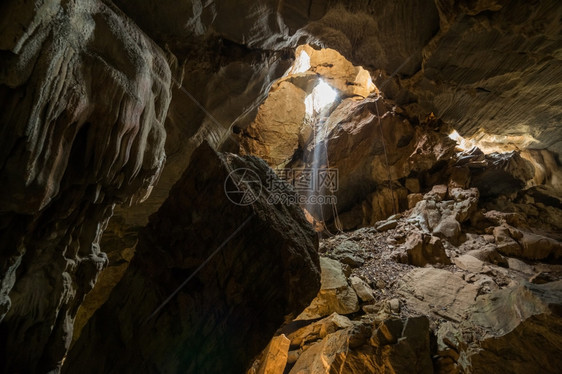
{"x": 84, "y": 97}
{"x": 228, "y": 63}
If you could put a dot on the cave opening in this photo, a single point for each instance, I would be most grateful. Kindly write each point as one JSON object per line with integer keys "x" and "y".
{"x": 321, "y": 96}
{"x": 294, "y": 138}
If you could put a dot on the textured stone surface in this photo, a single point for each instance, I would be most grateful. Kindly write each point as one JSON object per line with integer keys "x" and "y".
{"x": 371, "y": 156}
{"x": 348, "y": 253}
{"x": 427, "y": 287}
{"x": 404, "y": 347}
{"x": 503, "y": 174}
{"x": 348, "y": 80}
{"x": 529, "y": 311}
{"x": 422, "y": 249}
{"x": 319, "y": 330}
{"x": 519, "y": 243}
{"x": 478, "y": 65}
{"x": 324, "y": 357}
{"x": 443, "y": 218}
{"x": 84, "y": 96}
{"x": 476, "y": 88}
{"x": 470, "y": 264}
{"x": 119, "y": 244}
{"x": 394, "y": 346}
{"x": 274, "y": 135}
{"x": 335, "y": 295}
{"x": 239, "y": 58}
{"x": 476, "y": 316}
{"x": 276, "y": 355}
{"x": 267, "y": 273}
{"x": 364, "y": 292}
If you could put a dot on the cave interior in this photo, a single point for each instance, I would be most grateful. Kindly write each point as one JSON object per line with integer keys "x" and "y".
{"x": 281, "y": 186}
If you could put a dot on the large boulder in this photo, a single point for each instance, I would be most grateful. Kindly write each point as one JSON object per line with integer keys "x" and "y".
{"x": 441, "y": 211}
{"x": 348, "y": 253}
{"x": 274, "y": 357}
{"x": 266, "y": 272}
{"x": 391, "y": 346}
{"x": 324, "y": 357}
{"x": 422, "y": 249}
{"x": 424, "y": 289}
{"x": 319, "y": 330}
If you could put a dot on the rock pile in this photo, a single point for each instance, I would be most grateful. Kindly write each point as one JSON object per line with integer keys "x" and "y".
{"x": 445, "y": 287}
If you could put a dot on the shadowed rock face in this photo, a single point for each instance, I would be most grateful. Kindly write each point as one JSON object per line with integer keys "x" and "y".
{"x": 226, "y": 314}
{"x": 84, "y": 95}
{"x": 487, "y": 65}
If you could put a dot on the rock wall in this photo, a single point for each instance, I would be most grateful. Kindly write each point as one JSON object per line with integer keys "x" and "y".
{"x": 492, "y": 65}
{"x": 84, "y": 96}
{"x": 265, "y": 274}
{"x": 424, "y": 55}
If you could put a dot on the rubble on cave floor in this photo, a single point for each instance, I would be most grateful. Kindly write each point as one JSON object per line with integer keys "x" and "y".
{"x": 445, "y": 287}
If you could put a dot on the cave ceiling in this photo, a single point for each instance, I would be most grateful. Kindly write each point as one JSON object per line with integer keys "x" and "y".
{"x": 483, "y": 66}
{"x": 488, "y": 68}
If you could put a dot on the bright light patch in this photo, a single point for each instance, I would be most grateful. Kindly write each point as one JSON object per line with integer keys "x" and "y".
{"x": 302, "y": 63}
{"x": 490, "y": 143}
{"x": 309, "y": 105}
{"x": 455, "y": 136}
{"x": 370, "y": 85}
{"x": 462, "y": 143}
{"x": 322, "y": 95}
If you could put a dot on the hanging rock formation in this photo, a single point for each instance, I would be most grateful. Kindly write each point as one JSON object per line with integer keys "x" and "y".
{"x": 489, "y": 65}
{"x": 84, "y": 97}
{"x": 225, "y": 315}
